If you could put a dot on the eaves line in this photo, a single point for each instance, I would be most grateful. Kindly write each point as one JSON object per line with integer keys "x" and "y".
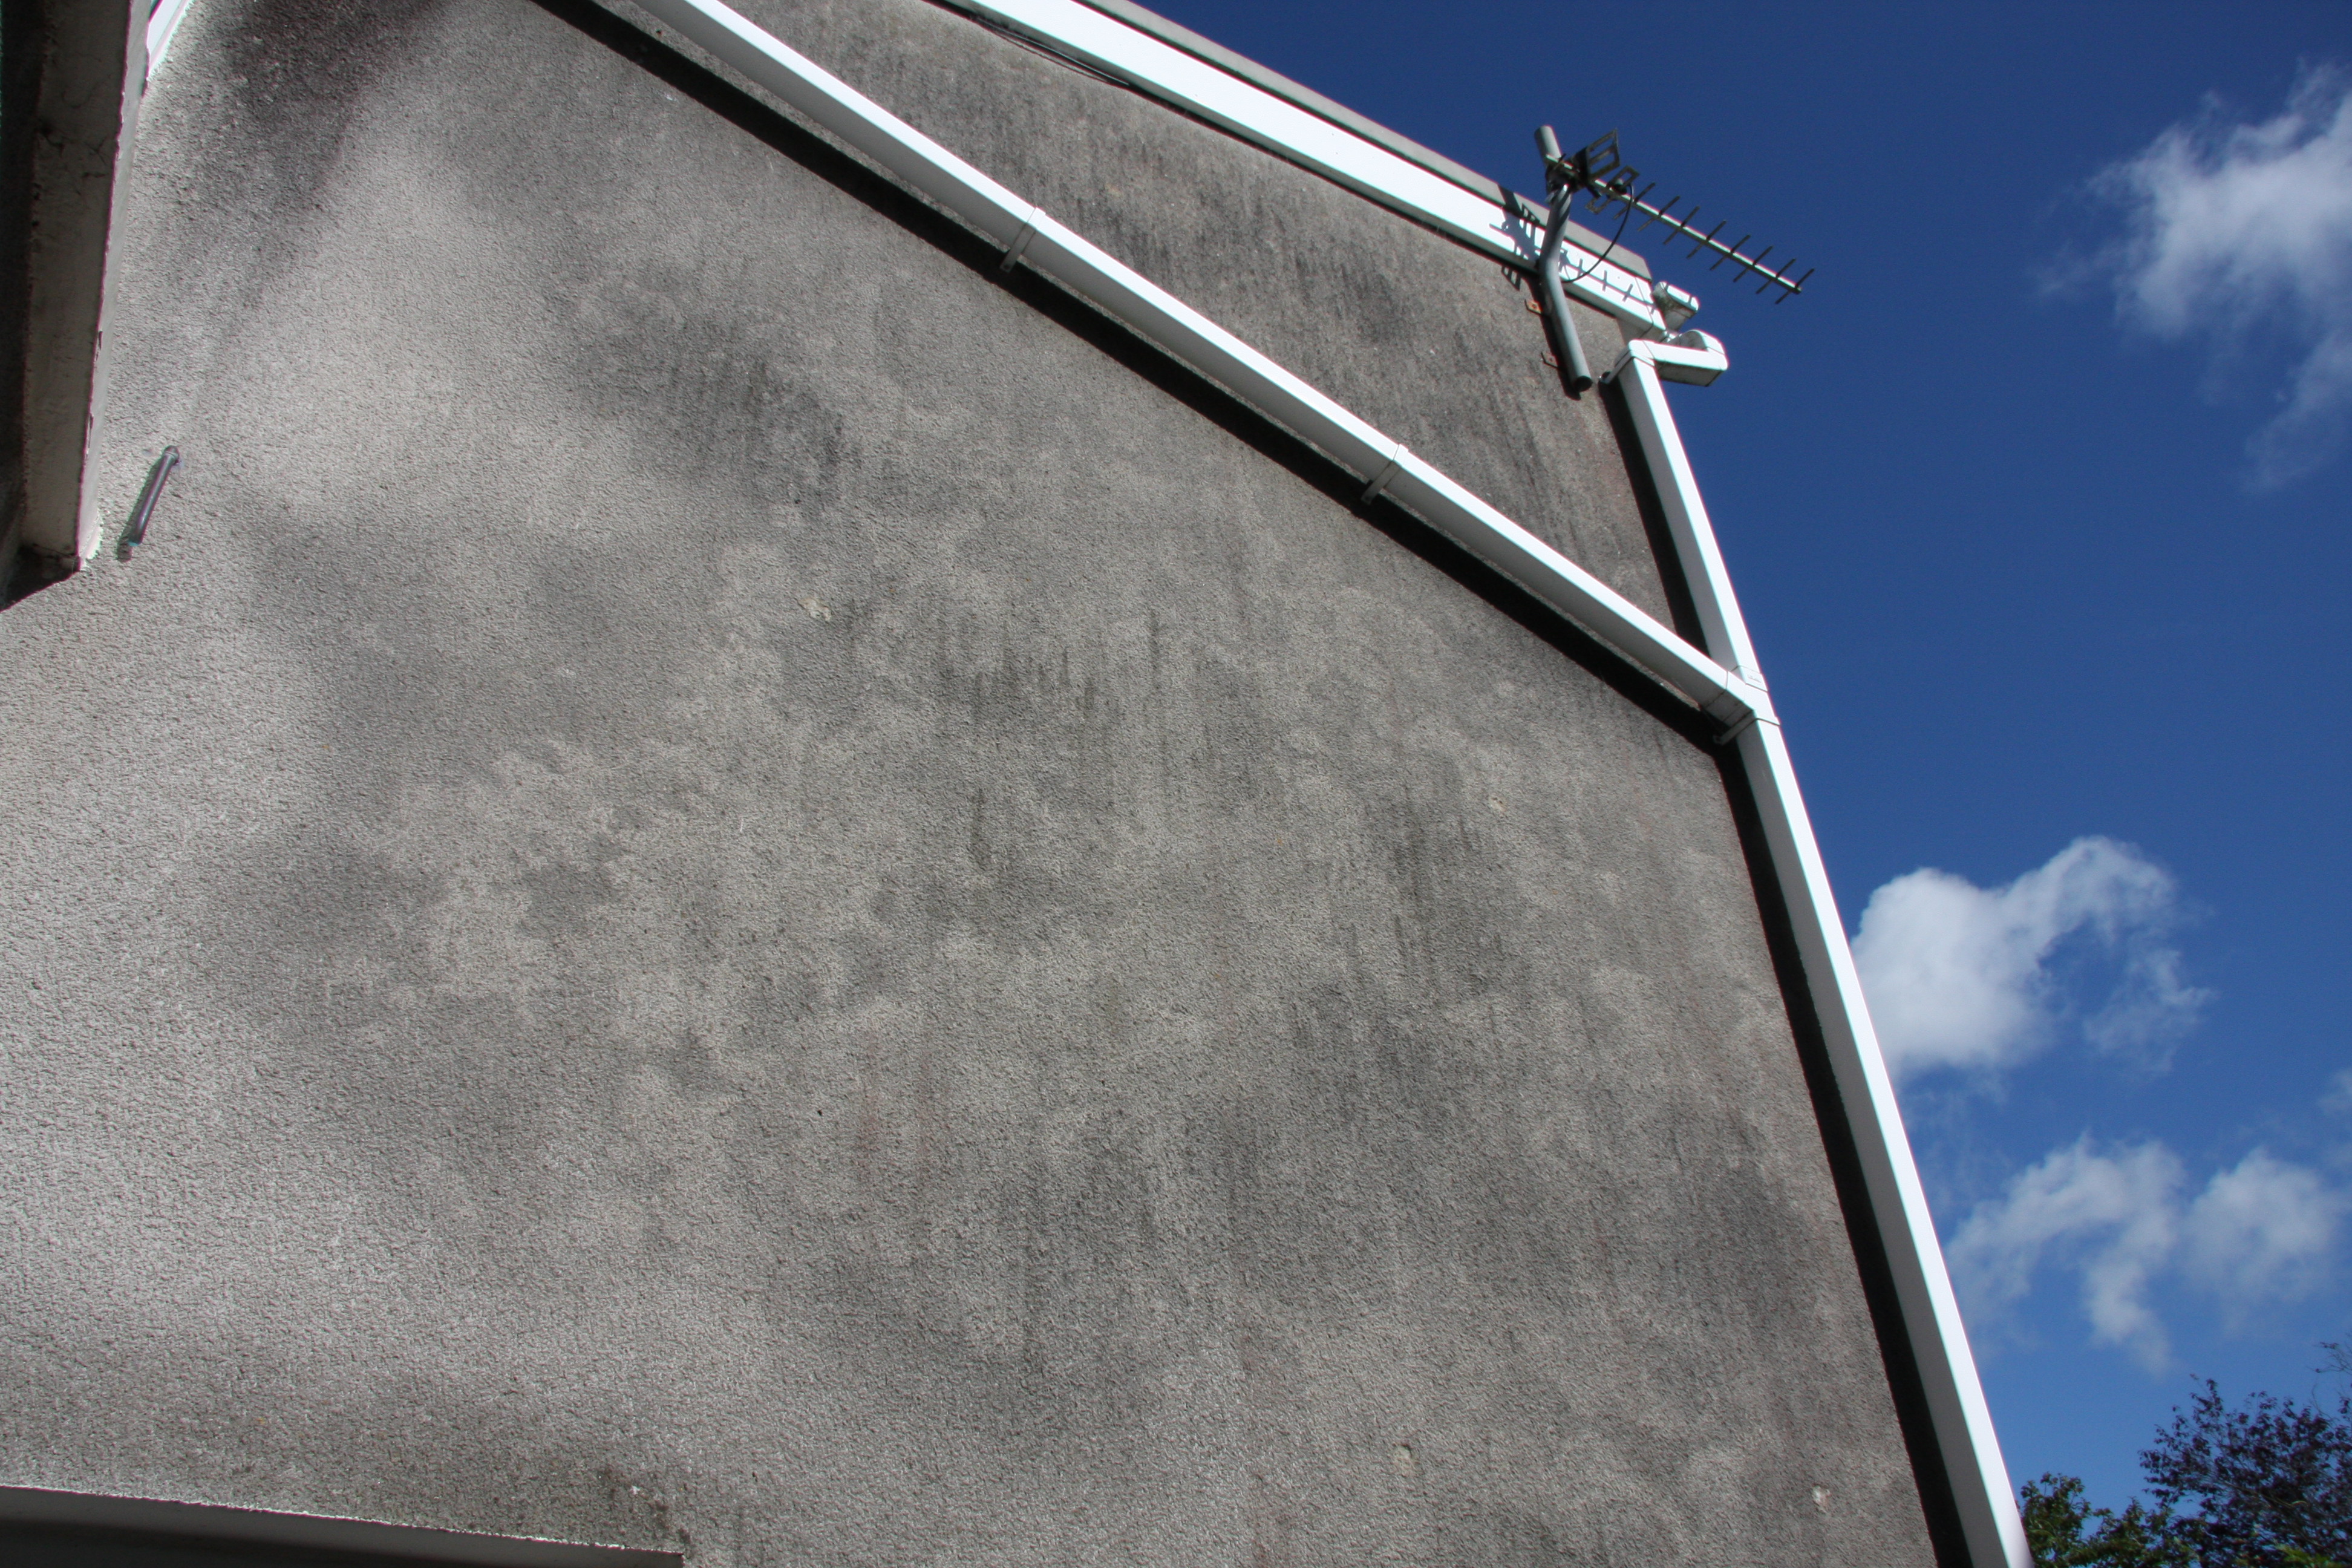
{"x": 1475, "y": 214}
{"x": 1339, "y": 114}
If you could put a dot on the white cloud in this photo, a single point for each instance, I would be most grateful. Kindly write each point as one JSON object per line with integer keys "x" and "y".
{"x": 1958, "y": 975}
{"x": 2263, "y": 1232}
{"x": 2114, "y": 1217}
{"x": 2237, "y": 230}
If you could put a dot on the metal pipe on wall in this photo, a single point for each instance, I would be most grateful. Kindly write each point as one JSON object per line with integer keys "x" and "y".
{"x": 1565, "y": 346}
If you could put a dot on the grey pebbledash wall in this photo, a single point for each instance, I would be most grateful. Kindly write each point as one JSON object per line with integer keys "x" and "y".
{"x": 727, "y": 882}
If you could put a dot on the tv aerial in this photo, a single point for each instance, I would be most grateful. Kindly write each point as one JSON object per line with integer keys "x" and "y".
{"x": 1600, "y": 173}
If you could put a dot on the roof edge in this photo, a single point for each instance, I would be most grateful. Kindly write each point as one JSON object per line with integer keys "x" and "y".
{"x": 1275, "y": 84}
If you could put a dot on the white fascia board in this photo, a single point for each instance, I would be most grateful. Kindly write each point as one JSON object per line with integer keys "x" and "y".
{"x": 1047, "y": 245}
{"x": 1337, "y": 153}
{"x": 1898, "y": 1203}
{"x": 161, "y": 27}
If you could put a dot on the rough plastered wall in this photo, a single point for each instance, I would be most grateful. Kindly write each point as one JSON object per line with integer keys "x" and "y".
{"x": 726, "y": 882}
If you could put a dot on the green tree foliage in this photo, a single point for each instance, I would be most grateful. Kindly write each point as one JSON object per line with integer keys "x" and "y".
{"x": 2065, "y": 1531}
{"x": 2265, "y": 1484}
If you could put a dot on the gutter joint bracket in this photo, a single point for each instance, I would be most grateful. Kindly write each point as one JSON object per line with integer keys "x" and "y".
{"x": 1020, "y": 246}
{"x": 1748, "y": 720}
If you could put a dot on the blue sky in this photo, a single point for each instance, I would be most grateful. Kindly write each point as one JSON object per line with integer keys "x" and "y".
{"x": 2038, "y": 505}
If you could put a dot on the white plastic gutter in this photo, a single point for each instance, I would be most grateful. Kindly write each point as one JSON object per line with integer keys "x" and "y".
{"x": 1331, "y": 151}
{"x": 1693, "y": 357}
{"x": 1036, "y": 240}
{"x": 1734, "y": 695}
{"x": 1939, "y": 1341}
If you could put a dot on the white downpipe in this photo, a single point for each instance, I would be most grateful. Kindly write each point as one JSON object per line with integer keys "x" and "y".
{"x": 1175, "y": 326}
{"x": 1939, "y": 1341}
{"x": 1719, "y": 619}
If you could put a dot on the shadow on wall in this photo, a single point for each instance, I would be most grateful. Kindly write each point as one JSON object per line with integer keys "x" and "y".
{"x": 20, "y": 79}
{"x": 72, "y": 74}
{"x": 50, "y": 1546}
